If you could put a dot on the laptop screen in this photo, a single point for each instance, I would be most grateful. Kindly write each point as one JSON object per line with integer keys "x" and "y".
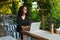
{"x": 35, "y": 26}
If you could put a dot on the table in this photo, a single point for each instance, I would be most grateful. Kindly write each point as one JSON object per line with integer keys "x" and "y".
{"x": 33, "y": 35}
{"x": 42, "y": 35}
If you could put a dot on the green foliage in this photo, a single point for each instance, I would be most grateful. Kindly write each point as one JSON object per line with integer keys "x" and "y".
{"x": 56, "y": 12}
{"x": 53, "y": 12}
{"x": 35, "y": 16}
{"x": 14, "y": 8}
{"x": 3, "y": 0}
{"x": 9, "y": 7}
{"x": 5, "y": 7}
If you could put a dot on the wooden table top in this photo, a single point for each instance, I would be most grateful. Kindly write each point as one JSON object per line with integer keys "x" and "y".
{"x": 42, "y": 35}
{"x": 33, "y": 35}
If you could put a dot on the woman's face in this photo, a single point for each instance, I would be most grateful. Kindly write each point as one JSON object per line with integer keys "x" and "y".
{"x": 25, "y": 10}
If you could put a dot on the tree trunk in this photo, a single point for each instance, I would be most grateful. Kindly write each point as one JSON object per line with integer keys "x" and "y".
{"x": 43, "y": 19}
{"x": 43, "y": 16}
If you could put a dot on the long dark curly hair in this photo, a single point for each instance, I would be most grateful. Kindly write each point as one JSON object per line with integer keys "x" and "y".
{"x": 20, "y": 11}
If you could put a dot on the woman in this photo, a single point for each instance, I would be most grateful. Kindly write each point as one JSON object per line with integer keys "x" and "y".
{"x": 23, "y": 20}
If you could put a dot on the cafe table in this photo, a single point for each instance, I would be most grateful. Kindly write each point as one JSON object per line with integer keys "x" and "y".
{"x": 41, "y": 35}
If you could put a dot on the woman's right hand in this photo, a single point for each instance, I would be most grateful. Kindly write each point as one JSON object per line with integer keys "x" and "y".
{"x": 27, "y": 28}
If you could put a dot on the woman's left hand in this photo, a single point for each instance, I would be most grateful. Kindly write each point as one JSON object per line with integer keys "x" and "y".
{"x": 27, "y": 28}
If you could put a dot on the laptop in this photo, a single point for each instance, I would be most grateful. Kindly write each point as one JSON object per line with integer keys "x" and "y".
{"x": 34, "y": 26}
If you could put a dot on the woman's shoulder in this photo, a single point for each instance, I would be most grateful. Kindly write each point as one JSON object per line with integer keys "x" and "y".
{"x": 18, "y": 18}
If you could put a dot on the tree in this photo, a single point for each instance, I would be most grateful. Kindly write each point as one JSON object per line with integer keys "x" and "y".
{"x": 42, "y": 4}
{"x": 9, "y": 6}
{"x": 4, "y": 7}
{"x": 15, "y": 6}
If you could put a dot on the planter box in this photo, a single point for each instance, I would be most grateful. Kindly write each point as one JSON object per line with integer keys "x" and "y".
{"x": 1, "y": 31}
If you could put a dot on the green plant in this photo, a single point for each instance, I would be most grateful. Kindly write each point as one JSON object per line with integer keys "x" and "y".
{"x": 53, "y": 10}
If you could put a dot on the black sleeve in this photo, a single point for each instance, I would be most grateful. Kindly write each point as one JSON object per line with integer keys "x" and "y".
{"x": 18, "y": 21}
{"x": 18, "y": 24}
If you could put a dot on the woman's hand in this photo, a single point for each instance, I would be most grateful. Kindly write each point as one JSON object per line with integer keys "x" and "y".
{"x": 27, "y": 28}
